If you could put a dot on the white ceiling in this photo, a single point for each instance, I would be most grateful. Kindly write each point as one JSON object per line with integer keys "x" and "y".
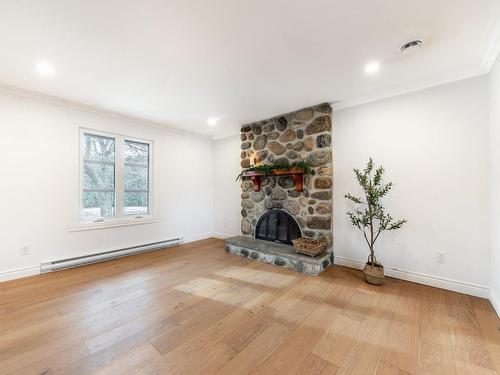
{"x": 177, "y": 63}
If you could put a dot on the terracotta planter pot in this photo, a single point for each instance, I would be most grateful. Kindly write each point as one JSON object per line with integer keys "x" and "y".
{"x": 374, "y": 273}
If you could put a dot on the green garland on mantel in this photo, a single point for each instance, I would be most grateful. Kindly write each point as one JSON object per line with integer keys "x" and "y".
{"x": 267, "y": 169}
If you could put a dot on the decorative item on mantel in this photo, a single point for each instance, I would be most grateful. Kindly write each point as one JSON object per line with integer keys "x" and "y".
{"x": 295, "y": 171}
{"x": 370, "y": 216}
{"x": 309, "y": 246}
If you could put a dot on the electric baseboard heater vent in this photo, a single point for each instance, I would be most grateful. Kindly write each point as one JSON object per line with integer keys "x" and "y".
{"x": 62, "y": 264}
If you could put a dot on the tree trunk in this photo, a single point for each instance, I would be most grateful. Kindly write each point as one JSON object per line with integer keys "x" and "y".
{"x": 372, "y": 242}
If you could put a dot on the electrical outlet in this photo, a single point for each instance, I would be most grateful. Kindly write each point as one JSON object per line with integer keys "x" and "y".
{"x": 441, "y": 258}
{"x": 25, "y": 250}
{"x": 225, "y": 225}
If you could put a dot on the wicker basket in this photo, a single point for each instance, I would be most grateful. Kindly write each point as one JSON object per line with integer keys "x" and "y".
{"x": 308, "y": 246}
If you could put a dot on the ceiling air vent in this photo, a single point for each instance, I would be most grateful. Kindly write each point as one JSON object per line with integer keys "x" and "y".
{"x": 411, "y": 46}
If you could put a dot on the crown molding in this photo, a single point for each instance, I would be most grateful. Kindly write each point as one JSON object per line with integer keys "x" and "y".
{"x": 415, "y": 86}
{"x": 490, "y": 56}
{"x": 227, "y": 133}
{"x": 493, "y": 49}
{"x": 409, "y": 88}
{"x": 54, "y": 100}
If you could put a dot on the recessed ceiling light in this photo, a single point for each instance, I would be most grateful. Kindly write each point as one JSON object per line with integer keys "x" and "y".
{"x": 411, "y": 46}
{"x": 372, "y": 67}
{"x": 45, "y": 68}
{"x": 212, "y": 121}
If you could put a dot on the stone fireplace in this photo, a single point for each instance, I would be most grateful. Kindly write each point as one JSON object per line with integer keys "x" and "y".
{"x": 275, "y": 210}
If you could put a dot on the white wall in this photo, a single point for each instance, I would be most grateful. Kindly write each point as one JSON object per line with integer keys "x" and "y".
{"x": 433, "y": 144}
{"x": 227, "y": 209}
{"x": 495, "y": 185}
{"x": 39, "y": 184}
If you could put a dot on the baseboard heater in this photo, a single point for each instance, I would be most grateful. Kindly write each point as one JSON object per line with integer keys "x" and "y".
{"x": 62, "y": 264}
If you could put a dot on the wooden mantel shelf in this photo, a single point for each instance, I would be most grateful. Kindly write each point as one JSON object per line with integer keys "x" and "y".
{"x": 297, "y": 175}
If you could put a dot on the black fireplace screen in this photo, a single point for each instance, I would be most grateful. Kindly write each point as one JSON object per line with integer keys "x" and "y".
{"x": 277, "y": 226}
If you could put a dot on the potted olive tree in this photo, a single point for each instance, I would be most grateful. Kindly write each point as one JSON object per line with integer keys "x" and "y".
{"x": 370, "y": 218}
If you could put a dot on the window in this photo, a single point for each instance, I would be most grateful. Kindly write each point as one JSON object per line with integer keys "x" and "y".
{"x": 115, "y": 177}
{"x": 136, "y": 178}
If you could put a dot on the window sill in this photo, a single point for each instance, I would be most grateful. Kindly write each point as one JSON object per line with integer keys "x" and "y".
{"x": 112, "y": 224}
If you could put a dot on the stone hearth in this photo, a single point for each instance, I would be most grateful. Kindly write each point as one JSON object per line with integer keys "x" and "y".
{"x": 278, "y": 254}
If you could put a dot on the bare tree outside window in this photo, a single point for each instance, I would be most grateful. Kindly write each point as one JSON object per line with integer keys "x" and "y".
{"x": 98, "y": 177}
{"x": 136, "y": 178}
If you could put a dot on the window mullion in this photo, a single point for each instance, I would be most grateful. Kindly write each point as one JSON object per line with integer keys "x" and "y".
{"x": 119, "y": 177}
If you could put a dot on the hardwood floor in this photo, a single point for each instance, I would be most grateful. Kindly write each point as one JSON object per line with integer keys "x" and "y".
{"x": 196, "y": 309}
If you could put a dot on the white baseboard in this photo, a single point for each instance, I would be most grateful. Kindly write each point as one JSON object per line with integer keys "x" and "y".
{"x": 18, "y": 273}
{"x": 221, "y": 236}
{"x": 197, "y": 237}
{"x": 420, "y": 278}
{"x": 35, "y": 270}
{"x": 495, "y": 301}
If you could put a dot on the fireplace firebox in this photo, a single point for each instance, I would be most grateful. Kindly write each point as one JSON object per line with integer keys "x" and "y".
{"x": 277, "y": 226}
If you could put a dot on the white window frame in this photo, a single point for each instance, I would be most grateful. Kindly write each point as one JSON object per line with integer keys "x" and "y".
{"x": 120, "y": 219}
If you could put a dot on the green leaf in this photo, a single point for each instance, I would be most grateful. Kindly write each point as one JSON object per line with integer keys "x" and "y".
{"x": 269, "y": 168}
